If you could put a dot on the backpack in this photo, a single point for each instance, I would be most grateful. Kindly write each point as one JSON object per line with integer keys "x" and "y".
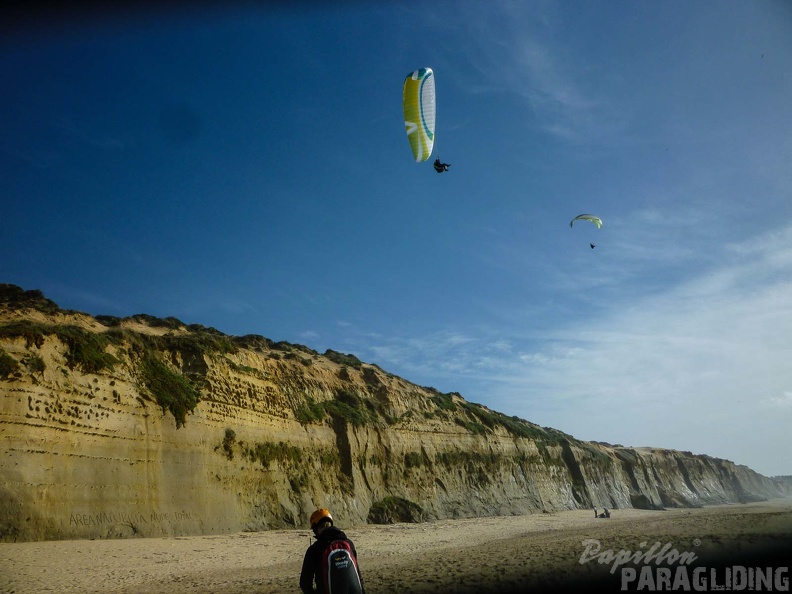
{"x": 339, "y": 569}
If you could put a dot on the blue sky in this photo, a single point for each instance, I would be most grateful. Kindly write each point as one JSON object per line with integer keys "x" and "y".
{"x": 247, "y": 168}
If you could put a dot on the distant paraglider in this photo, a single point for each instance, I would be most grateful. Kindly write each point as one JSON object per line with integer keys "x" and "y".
{"x": 418, "y": 102}
{"x": 587, "y": 217}
{"x": 441, "y": 167}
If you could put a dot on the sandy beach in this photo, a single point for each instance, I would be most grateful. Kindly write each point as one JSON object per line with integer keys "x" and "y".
{"x": 500, "y": 554}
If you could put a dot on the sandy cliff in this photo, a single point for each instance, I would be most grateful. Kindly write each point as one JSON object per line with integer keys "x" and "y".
{"x": 141, "y": 426}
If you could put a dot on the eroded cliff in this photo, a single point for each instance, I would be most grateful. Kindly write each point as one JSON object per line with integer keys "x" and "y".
{"x": 141, "y": 426}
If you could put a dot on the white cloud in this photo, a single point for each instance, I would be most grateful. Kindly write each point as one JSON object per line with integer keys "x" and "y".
{"x": 517, "y": 48}
{"x": 689, "y": 364}
{"x": 782, "y": 401}
{"x": 687, "y": 368}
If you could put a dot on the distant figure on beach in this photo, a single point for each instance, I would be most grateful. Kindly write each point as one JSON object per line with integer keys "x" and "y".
{"x": 330, "y": 562}
{"x": 595, "y": 512}
{"x": 604, "y": 514}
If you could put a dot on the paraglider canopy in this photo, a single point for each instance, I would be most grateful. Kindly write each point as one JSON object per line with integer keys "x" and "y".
{"x": 587, "y": 217}
{"x": 418, "y": 103}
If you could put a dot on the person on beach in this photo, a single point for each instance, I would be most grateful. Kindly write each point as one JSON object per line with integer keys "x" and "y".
{"x": 330, "y": 562}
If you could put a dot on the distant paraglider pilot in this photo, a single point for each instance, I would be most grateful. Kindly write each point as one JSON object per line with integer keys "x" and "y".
{"x": 440, "y": 167}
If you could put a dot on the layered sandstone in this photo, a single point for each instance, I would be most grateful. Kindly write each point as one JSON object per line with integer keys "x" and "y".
{"x": 88, "y": 448}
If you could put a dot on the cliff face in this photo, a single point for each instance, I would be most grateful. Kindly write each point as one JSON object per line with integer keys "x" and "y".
{"x": 112, "y": 428}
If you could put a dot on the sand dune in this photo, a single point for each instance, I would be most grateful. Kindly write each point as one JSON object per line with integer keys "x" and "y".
{"x": 500, "y": 554}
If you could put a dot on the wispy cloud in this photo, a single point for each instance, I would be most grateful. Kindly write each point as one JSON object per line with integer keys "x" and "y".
{"x": 515, "y": 47}
{"x": 309, "y": 335}
{"x": 711, "y": 348}
{"x": 782, "y": 401}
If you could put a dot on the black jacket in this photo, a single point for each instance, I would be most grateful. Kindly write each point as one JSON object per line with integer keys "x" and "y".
{"x": 312, "y": 563}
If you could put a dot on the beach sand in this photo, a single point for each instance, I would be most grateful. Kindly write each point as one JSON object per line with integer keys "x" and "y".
{"x": 538, "y": 552}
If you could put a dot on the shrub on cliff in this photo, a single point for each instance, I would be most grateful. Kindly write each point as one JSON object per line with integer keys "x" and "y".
{"x": 312, "y": 412}
{"x": 198, "y": 343}
{"x": 35, "y": 363}
{"x": 356, "y": 409}
{"x": 269, "y": 451}
{"x": 8, "y": 364}
{"x": 228, "y": 443}
{"x": 17, "y": 298}
{"x": 86, "y": 349}
{"x": 347, "y": 406}
{"x": 342, "y": 359}
{"x": 254, "y": 342}
{"x": 485, "y": 419}
{"x": 33, "y": 333}
{"x": 475, "y": 428}
{"x": 170, "y": 322}
{"x": 394, "y": 509}
{"x": 171, "y": 389}
{"x": 443, "y": 402}
{"x": 413, "y": 460}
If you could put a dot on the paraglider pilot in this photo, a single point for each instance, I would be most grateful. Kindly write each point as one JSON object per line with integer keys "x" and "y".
{"x": 440, "y": 167}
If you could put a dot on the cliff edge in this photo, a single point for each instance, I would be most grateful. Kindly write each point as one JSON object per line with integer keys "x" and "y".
{"x": 114, "y": 427}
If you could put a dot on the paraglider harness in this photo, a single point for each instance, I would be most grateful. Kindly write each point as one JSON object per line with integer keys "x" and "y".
{"x": 440, "y": 167}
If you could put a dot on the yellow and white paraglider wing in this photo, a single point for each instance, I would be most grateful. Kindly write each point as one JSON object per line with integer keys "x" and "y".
{"x": 419, "y": 112}
{"x": 587, "y": 217}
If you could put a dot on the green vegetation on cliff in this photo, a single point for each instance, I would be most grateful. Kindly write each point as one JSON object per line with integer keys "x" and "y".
{"x": 8, "y": 364}
{"x": 171, "y": 389}
{"x": 173, "y": 367}
{"x": 16, "y": 298}
{"x": 347, "y": 405}
{"x": 394, "y": 509}
{"x": 369, "y": 442}
{"x": 345, "y": 360}
{"x": 86, "y": 351}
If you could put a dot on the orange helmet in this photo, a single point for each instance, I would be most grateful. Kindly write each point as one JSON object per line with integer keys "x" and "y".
{"x": 319, "y": 515}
